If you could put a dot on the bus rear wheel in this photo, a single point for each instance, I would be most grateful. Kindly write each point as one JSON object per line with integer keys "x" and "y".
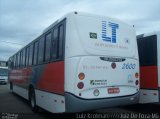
{"x": 32, "y": 100}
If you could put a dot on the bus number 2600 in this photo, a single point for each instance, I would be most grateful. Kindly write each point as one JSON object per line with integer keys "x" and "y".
{"x": 128, "y": 66}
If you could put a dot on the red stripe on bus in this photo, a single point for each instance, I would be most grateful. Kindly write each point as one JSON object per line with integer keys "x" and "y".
{"x": 52, "y": 79}
{"x": 20, "y": 76}
{"x": 149, "y": 77}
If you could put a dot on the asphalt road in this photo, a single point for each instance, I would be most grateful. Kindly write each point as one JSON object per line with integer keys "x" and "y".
{"x": 12, "y": 105}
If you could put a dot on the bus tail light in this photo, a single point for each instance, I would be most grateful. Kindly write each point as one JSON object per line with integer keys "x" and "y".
{"x": 144, "y": 94}
{"x": 137, "y": 82}
{"x": 136, "y": 75}
{"x": 113, "y": 65}
{"x": 80, "y": 85}
{"x": 81, "y": 76}
{"x": 154, "y": 93}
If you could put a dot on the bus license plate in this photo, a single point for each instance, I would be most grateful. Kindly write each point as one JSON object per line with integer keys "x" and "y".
{"x": 113, "y": 90}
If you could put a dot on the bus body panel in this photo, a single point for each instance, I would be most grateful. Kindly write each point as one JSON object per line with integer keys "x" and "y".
{"x": 84, "y": 45}
{"x": 149, "y": 96}
{"x": 52, "y": 78}
{"x": 97, "y": 76}
{"x": 98, "y": 71}
{"x": 48, "y": 77}
{"x": 23, "y": 92}
{"x": 158, "y": 58}
{"x": 50, "y": 101}
{"x": 79, "y": 29}
{"x": 149, "y": 77}
{"x": 83, "y": 54}
{"x": 158, "y": 65}
{"x": 21, "y": 77}
{"x": 149, "y": 71}
{"x": 48, "y": 81}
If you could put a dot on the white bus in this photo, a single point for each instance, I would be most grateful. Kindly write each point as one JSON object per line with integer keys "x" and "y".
{"x": 3, "y": 75}
{"x": 81, "y": 62}
{"x": 149, "y": 48}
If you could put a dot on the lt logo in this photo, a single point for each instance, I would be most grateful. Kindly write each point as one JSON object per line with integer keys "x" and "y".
{"x": 113, "y": 27}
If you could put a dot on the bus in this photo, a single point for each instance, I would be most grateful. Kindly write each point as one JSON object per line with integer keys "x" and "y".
{"x": 3, "y": 75}
{"x": 81, "y": 62}
{"x": 148, "y": 48}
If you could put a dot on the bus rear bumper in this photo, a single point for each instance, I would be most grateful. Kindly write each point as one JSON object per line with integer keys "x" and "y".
{"x": 76, "y": 104}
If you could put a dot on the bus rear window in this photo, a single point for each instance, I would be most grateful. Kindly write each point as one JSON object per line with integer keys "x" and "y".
{"x": 147, "y": 48}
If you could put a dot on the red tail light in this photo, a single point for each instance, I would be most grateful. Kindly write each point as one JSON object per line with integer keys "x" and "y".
{"x": 154, "y": 93}
{"x": 80, "y": 85}
{"x": 144, "y": 94}
{"x": 113, "y": 65}
{"x": 81, "y": 76}
{"x": 136, "y": 75}
{"x": 137, "y": 82}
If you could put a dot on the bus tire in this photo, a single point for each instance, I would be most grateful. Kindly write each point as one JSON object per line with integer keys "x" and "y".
{"x": 32, "y": 100}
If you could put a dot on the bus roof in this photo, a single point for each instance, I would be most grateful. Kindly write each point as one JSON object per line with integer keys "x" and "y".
{"x": 78, "y": 13}
{"x": 148, "y": 34}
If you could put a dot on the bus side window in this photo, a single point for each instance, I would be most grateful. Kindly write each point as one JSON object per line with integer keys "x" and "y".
{"x": 35, "y": 53}
{"x": 27, "y": 56}
{"x": 10, "y": 64}
{"x": 17, "y": 61}
{"x": 14, "y": 61}
{"x": 30, "y": 55}
{"x": 48, "y": 47}
{"x": 60, "y": 42}
{"x": 24, "y": 57}
{"x": 41, "y": 51}
{"x": 54, "y": 44}
{"x": 21, "y": 55}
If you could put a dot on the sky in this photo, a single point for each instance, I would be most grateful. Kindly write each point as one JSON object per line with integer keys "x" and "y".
{"x": 21, "y": 21}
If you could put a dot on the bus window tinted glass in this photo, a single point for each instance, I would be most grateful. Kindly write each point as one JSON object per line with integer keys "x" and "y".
{"x": 31, "y": 54}
{"x": 21, "y": 58}
{"x": 41, "y": 50}
{"x": 147, "y": 48}
{"x": 18, "y": 59}
{"x": 48, "y": 47}
{"x": 54, "y": 43}
{"x": 27, "y": 56}
{"x": 14, "y": 61}
{"x": 35, "y": 52}
{"x": 61, "y": 40}
{"x": 24, "y": 57}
